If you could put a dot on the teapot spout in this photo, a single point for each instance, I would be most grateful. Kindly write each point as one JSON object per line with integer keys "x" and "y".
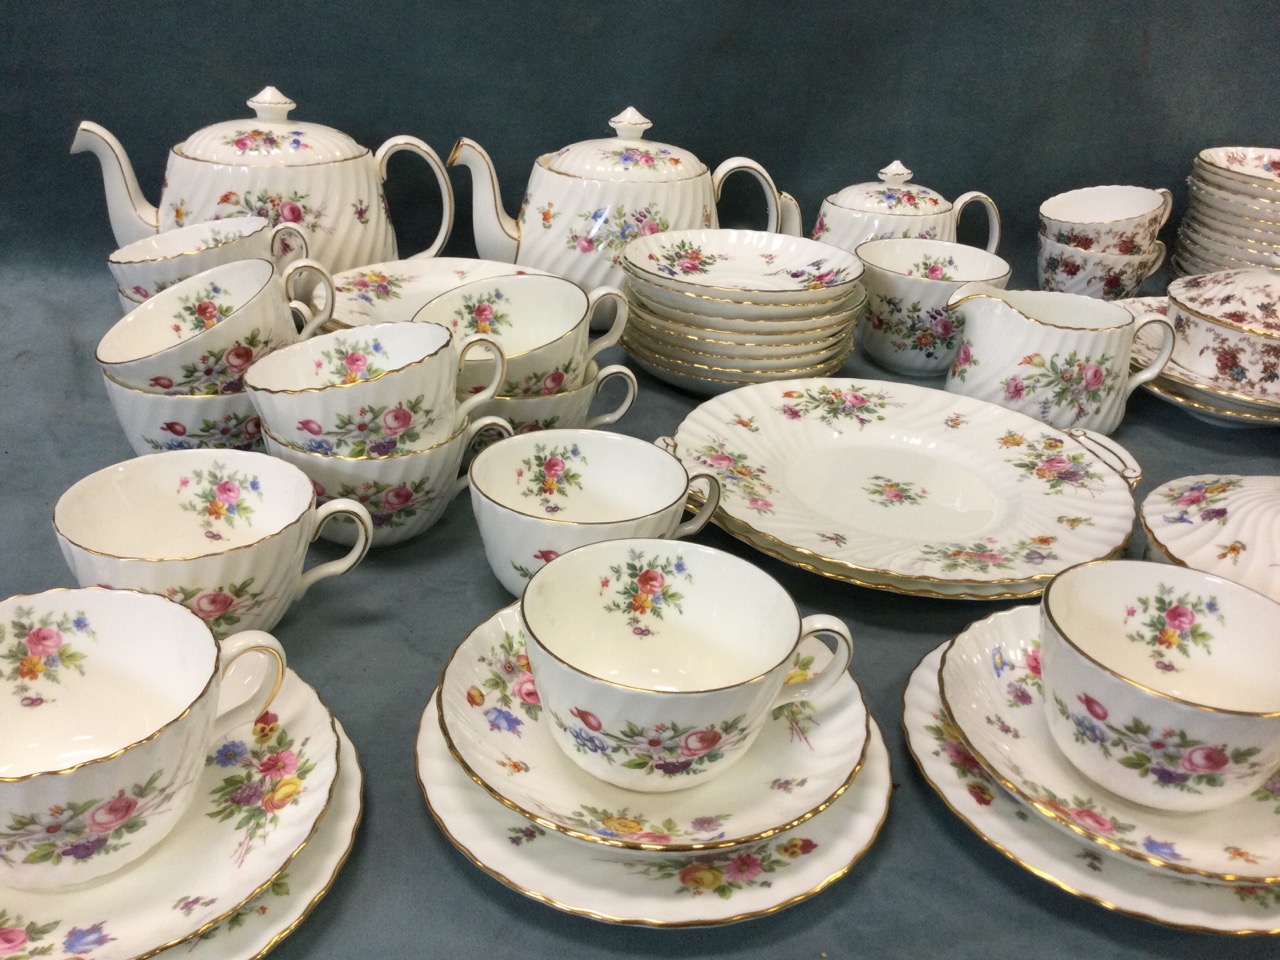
{"x": 132, "y": 217}
{"x": 497, "y": 235}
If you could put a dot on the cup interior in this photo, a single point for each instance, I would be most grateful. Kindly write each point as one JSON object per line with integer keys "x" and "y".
{"x": 128, "y": 664}
{"x": 937, "y": 260}
{"x": 522, "y": 312}
{"x": 196, "y": 238}
{"x": 1067, "y": 310}
{"x": 660, "y": 615}
{"x": 1118, "y": 612}
{"x": 1101, "y": 204}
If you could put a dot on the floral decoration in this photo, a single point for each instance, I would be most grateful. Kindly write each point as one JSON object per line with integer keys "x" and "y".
{"x": 800, "y": 714}
{"x": 915, "y": 198}
{"x": 263, "y": 780}
{"x": 820, "y": 228}
{"x": 203, "y": 309}
{"x": 1024, "y": 684}
{"x": 1269, "y": 792}
{"x": 550, "y": 474}
{"x": 892, "y": 493}
{"x": 964, "y": 360}
{"x": 352, "y": 360}
{"x": 508, "y": 687}
{"x": 218, "y": 372}
{"x": 373, "y": 286}
{"x": 42, "y": 648}
{"x": 607, "y": 230}
{"x": 1173, "y": 624}
{"x": 933, "y": 268}
{"x": 1202, "y": 500}
{"x": 738, "y": 478}
{"x": 237, "y": 431}
{"x": 934, "y": 332}
{"x": 257, "y": 907}
{"x": 724, "y": 874}
{"x": 668, "y": 749}
{"x": 815, "y": 275}
{"x": 1088, "y": 814}
{"x": 372, "y": 431}
{"x": 1077, "y": 383}
{"x": 1252, "y": 365}
{"x": 834, "y": 405}
{"x": 295, "y": 208}
{"x": 22, "y": 939}
{"x": 1047, "y": 459}
{"x": 482, "y": 313}
{"x": 684, "y": 258}
{"x": 624, "y": 824}
{"x": 987, "y": 554}
{"x": 266, "y": 142}
{"x": 631, "y": 157}
{"x": 390, "y": 505}
{"x": 221, "y": 607}
{"x": 948, "y": 739}
{"x": 646, "y": 589}
{"x": 541, "y": 383}
{"x": 220, "y": 497}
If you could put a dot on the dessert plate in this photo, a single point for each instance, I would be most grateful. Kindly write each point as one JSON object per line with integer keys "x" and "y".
{"x": 488, "y": 712}
{"x": 264, "y": 789}
{"x": 662, "y": 888}
{"x": 990, "y": 686}
{"x": 272, "y": 915}
{"x": 1054, "y": 855}
{"x": 907, "y": 488}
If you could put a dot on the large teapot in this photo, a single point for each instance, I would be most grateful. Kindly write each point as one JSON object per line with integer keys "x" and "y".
{"x": 586, "y": 201}
{"x": 321, "y": 180}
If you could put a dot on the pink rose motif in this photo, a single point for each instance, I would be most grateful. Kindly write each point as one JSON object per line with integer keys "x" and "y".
{"x": 228, "y": 491}
{"x": 311, "y": 427}
{"x": 942, "y": 326}
{"x": 696, "y": 743}
{"x": 207, "y": 311}
{"x": 589, "y": 719}
{"x": 110, "y": 814}
{"x": 586, "y": 245}
{"x": 210, "y": 606}
{"x": 142, "y": 292}
{"x": 360, "y": 283}
{"x": 935, "y": 271}
{"x": 855, "y": 400}
{"x": 826, "y": 277}
{"x": 1091, "y": 820}
{"x": 1190, "y": 498}
{"x": 893, "y": 494}
{"x": 1093, "y": 376}
{"x": 648, "y": 836}
{"x": 524, "y": 688}
{"x": 743, "y": 867}
{"x": 290, "y": 212}
{"x": 161, "y": 383}
{"x": 396, "y": 421}
{"x": 397, "y": 497}
{"x": 646, "y": 160}
{"x": 252, "y": 428}
{"x": 721, "y": 461}
{"x": 650, "y": 582}
{"x": 553, "y": 467}
{"x": 1014, "y": 388}
{"x": 1033, "y": 662}
{"x": 687, "y": 266}
{"x": 552, "y": 382}
{"x": 44, "y": 641}
{"x": 959, "y": 754}
{"x": 648, "y": 228}
{"x": 790, "y": 412}
{"x": 760, "y": 503}
{"x": 964, "y": 356}
{"x": 355, "y": 363}
{"x": 174, "y": 427}
{"x": 238, "y": 358}
{"x": 244, "y": 143}
{"x": 533, "y": 426}
{"x": 483, "y": 312}
{"x": 1179, "y": 617}
{"x": 1204, "y": 760}
{"x": 12, "y": 939}
{"x": 278, "y": 765}
{"x": 546, "y": 556}
{"x": 1096, "y": 710}
{"x": 1055, "y": 463}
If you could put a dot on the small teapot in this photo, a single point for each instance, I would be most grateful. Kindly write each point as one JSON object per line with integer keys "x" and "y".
{"x": 309, "y": 175}
{"x": 895, "y": 208}
{"x": 584, "y": 203}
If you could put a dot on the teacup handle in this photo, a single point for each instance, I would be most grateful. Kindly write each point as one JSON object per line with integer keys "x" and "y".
{"x": 313, "y": 317}
{"x": 281, "y": 235}
{"x": 1156, "y": 261}
{"x": 710, "y": 500}
{"x": 499, "y": 372}
{"x": 771, "y": 199}
{"x": 789, "y": 219}
{"x": 607, "y": 339}
{"x": 824, "y": 679}
{"x": 344, "y": 506}
{"x": 1166, "y": 207}
{"x": 993, "y": 215}
{"x": 497, "y": 424}
{"x": 414, "y": 145}
{"x": 608, "y": 373}
{"x": 1161, "y": 357}
{"x": 245, "y": 694}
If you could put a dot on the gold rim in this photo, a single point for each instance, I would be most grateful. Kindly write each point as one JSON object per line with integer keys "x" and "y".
{"x": 944, "y": 244}
{"x": 1045, "y": 323}
{"x": 266, "y": 225}
{"x": 687, "y": 369}
{"x": 672, "y": 353}
{"x": 1189, "y": 237}
{"x": 544, "y": 162}
{"x": 634, "y": 294}
{"x": 1172, "y": 395}
{"x": 177, "y": 152}
{"x": 848, "y": 286}
{"x": 1165, "y": 199}
{"x": 407, "y": 455}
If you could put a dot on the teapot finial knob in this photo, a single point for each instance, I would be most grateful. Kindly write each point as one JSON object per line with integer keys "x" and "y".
{"x": 271, "y": 104}
{"x": 631, "y": 123}
{"x": 895, "y": 174}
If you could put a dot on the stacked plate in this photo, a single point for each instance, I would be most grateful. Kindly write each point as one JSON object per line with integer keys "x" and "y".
{"x": 1233, "y": 213}
{"x": 715, "y": 309}
{"x": 788, "y": 820}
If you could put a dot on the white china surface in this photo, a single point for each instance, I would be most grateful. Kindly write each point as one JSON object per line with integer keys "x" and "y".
{"x": 254, "y": 929}
{"x": 1054, "y": 855}
{"x": 209, "y": 867}
{"x": 710, "y": 381}
{"x": 806, "y": 757}
{"x": 905, "y": 487}
{"x": 1223, "y": 524}
{"x": 990, "y": 686}
{"x": 1259, "y": 167}
{"x": 661, "y": 889}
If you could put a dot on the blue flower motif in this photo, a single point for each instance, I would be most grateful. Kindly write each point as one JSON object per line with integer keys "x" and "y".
{"x": 586, "y": 740}
{"x": 231, "y": 509}
{"x": 230, "y": 753}
{"x": 53, "y": 661}
{"x": 680, "y": 567}
{"x": 998, "y": 662}
{"x": 1161, "y": 848}
{"x": 81, "y": 623}
{"x": 319, "y": 445}
{"x": 255, "y": 484}
{"x": 503, "y": 720}
{"x": 1089, "y": 730}
{"x": 82, "y": 940}
{"x": 1211, "y": 605}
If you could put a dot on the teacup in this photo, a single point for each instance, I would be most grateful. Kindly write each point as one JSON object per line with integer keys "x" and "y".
{"x": 659, "y": 661}
{"x": 147, "y": 266}
{"x": 1109, "y": 219}
{"x": 159, "y": 421}
{"x": 224, "y": 532}
{"x": 538, "y": 495}
{"x": 1155, "y": 684}
{"x": 200, "y": 336}
{"x": 907, "y": 327}
{"x": 116, "y": 697}
{"x": 375, "y": 391}
{"x": 1058, "y": 357}
{"x": 568, "y": 409}
{"x": 405, "y": 495}
{"x": 541, "y": 322}
{"x": 1106, "y": 276}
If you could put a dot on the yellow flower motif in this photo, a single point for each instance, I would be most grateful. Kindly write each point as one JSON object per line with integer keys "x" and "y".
{"x": 1012, "y": 440}
{"x": 285, "y": 793}
{"x": 701, "y": 876}
{"x": 262, "y": 732}
{"x": 217, "y": 509}
{"x": 1052, "y": 443}
{"x": 1167, "y": 637}
{"x": 549, "y": 485}
{"x": 797, "y": 676}
{"x": 475, "y": 696}
{"x": 30, "y": 668}
{"x": 621, "y": 824}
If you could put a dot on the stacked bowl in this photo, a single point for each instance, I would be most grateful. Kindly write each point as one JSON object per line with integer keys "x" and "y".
{"x": 1101, "y": 241}
{"x": 1233, "y": 211}
{"x": 716, "y": 309}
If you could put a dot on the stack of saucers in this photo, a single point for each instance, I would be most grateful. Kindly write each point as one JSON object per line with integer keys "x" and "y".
{"x": 716, "y": 309}
{"x": 1233, "y": 212}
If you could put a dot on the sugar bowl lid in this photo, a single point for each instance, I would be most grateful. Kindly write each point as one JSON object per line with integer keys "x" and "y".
{"x": 625, "y": 157}
{"x": 270, "y": 139}
{"x": 1248, "y": 300}
{"x": 891, "y": 194}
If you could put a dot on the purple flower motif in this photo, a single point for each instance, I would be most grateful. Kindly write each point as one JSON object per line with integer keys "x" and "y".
{"x": 380, "y": 448}
{"x": 503, "y": 720}
{"x": 86, "y": 848}
{"x": 1019, "y": 694}
{"x": 246, "y": 795}
{"x": 673, "y": 767}
{"x": 1167, "y": 776}
{"x": 703, "y": 824}
{"x": 82, "y": 940}
{"x": 1213, "y": 513}
{"x": 1161, "y": 848}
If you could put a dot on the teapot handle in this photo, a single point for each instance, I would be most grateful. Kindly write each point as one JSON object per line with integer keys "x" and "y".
{"x": 771, "y": 197}
{"x": 993, "y": 215}
{"x": 414, "y": 145}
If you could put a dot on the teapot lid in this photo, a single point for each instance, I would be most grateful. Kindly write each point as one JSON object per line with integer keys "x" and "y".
{"x": 270, "y": 139}
{"x": 626, "y": 157}
{"x": 893, "y": 194}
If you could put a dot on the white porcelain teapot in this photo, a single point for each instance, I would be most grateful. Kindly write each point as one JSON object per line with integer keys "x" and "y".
{"x": 895, "y": 208}
{"x": 286, "y": 170}
{"x": 586, "y": 201}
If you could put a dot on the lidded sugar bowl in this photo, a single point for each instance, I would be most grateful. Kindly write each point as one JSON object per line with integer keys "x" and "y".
{"x": 894, "y": 207}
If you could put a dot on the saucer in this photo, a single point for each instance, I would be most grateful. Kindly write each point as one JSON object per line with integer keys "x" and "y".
{"x": 990, "y": 685}
{"x": 806, "y": 757}
{"x": 648, "y": 888}
{"x": 219, "y": 856}
{"x": 1056, "y": 856}
{"x": 272, "y": 915}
